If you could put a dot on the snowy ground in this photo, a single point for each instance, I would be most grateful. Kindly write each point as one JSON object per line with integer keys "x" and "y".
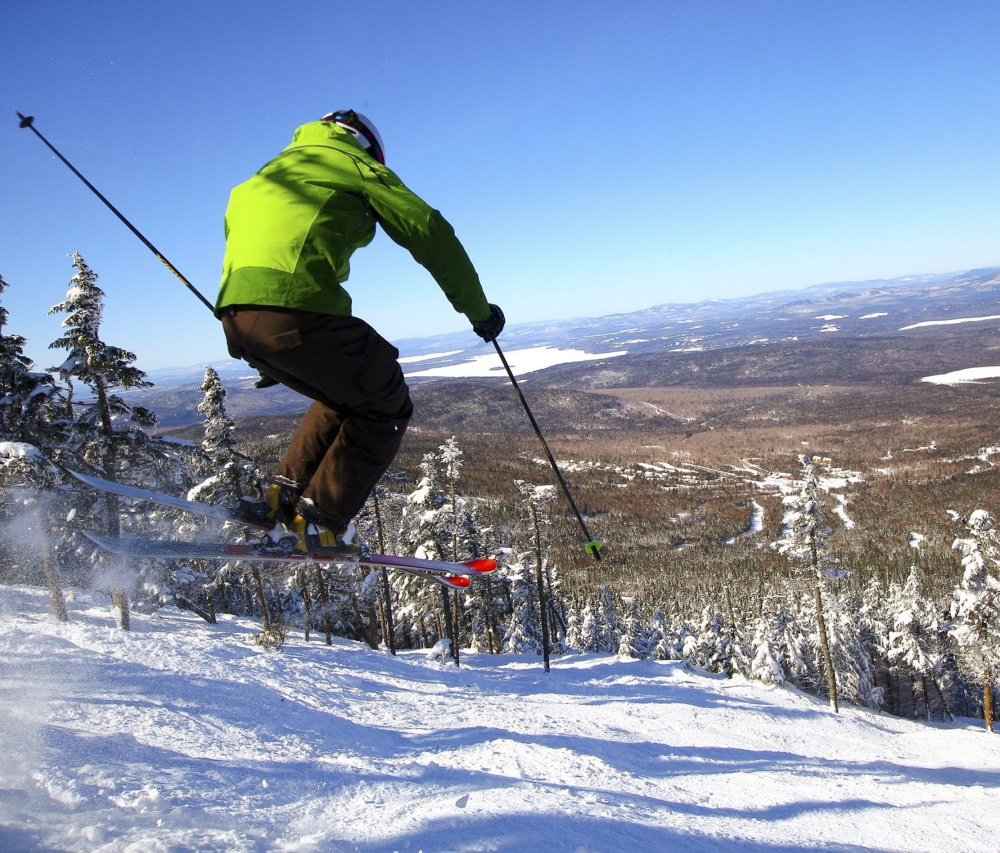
{"x": 181, "y": 736}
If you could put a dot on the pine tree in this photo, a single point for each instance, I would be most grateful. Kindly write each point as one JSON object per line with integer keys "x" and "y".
{"x": 664, "y": 638}
{"x": 914, "y": 637}
{"x": 852, "y": 659}
{"x": 975, "y": 608}
{"x": 584, "y": 630}
{"x": 524, "y": 632}
{"x": 29, "y": 427}
{"x": 106, "y": 432}
{"x": 634, "y": 642}
{"x": 106, "y": 429}
{"x": 609, "y": 623}
{"x": 232, "y": 474}
{"x": 536, "y": 500}
{"x": 29, "y": 400}
{"x": 768, "y": 665}
{"x": 805, "y": 541}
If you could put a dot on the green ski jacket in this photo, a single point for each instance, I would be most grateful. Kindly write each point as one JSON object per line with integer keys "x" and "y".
{"x": 292, "y": 228}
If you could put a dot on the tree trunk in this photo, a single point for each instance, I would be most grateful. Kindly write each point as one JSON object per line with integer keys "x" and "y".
{"x": 831, "y": 675}
{"x": 543, "y": 602}
{"x": 119, "y": 600}
{"x": 385, "y": 609}
{"x": 324, "y": 600}
{"x": 258, "y": 589}
{"x": 303, "y": 581}
{"x": 987, "y": 700}
{"x": 385, "y": 598}
{"x": 491, "y": 631}
{"x": 57, "y": 601}
{"x": 946, "y": 711}
{"x": 449, "y": 624}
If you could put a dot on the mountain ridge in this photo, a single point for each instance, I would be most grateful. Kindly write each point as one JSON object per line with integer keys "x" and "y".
{"x": 876, "y": 311}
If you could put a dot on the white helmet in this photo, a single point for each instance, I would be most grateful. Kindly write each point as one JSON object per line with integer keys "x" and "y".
{"x": 363, "y": 130}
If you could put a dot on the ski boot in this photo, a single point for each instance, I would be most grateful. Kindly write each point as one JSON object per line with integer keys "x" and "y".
{"x": 278, "y": 505}
{"x": 313, "y": 536}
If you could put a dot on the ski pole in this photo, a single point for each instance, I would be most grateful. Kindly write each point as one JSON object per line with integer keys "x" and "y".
{"x": 593, "y": 546}
{"x": 29, "y": 122}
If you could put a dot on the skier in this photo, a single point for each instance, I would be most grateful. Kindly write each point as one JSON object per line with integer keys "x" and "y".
{"x": 290, "y": 232}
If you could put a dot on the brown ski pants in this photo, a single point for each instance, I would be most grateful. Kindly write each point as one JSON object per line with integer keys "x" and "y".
{"x": 353, "y": 430}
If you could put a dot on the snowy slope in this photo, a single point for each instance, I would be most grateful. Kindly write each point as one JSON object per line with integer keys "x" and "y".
{"x": 182, "y": 736}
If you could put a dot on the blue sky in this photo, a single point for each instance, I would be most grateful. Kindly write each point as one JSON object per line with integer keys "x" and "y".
{"x": 594, "y": 157}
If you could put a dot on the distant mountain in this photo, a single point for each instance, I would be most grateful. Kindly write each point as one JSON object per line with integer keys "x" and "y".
{"x": 826, "y": 313}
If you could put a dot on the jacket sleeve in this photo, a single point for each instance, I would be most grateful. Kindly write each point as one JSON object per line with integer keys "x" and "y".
{"x": 426, "y": 234}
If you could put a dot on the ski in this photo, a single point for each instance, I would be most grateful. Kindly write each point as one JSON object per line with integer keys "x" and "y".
{"x": 455, "y": 575}
{"x": 220, "y": 513}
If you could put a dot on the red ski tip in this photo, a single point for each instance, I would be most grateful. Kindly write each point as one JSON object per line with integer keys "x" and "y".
{"x": 457, "y": 580}
{"x": 484, "y": 565}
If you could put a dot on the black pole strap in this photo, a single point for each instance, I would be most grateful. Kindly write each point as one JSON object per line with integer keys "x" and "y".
{"x": 28, "y": 122}
{"x": 593, "y": 546}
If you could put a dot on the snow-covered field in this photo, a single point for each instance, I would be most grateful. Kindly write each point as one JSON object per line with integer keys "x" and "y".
{"x": 182, "y": 736}
{"x": 969, "y": 374}
{"x": 521, "y": 361}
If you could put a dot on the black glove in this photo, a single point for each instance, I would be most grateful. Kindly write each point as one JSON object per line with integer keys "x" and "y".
{"x": 492, "y": 326}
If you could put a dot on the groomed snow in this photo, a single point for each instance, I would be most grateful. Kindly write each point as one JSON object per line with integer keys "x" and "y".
{"x": 184, "y": 736}
{"x": 521, "y": 361}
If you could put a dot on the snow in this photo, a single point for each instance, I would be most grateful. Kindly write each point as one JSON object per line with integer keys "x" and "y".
{"x": 410, "y": 359}
{"x": 950, "y": 322}
{"x": 19, "y": 450}
{"x": 520, "y": 361}
{"x": 969, "y": 374}
{"x": 181, "y": 736}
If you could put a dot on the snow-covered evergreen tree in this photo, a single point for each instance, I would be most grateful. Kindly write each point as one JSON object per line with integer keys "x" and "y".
{"x": 105, "y": 433}
{"x": 524, "y": 631}
{"x": 608, "y": 622}
{"x": 975, "y": 607}
{"x": 634, "y": 641}
{"x": 665, "y": 638}
{"x": 805, "y": 540}
{"x": 715, "y": 648}
{"x": 915, "y": 644}
{"x": 231, "y": 474}
{"x": 768, "y": 665}
{"x": 584, "y": 632}
{"x": 852, "y": 659}
{"x": 29, "y": 400}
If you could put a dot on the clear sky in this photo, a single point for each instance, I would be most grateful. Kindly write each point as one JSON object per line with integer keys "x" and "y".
{"x": 594, "y": 157}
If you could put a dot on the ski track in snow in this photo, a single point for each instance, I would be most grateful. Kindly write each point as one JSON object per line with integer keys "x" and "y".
{"x": 183, "y": 736}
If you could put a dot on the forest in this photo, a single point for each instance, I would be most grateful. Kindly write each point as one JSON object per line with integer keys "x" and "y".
{"x": 840, "y": 539}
